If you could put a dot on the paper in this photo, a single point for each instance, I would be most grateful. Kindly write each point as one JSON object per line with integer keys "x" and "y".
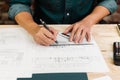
{"x": 14, "y": 63}
{"x": 21, "y": 56}
{"x": 14, "y": 78}
{"x": 14, "y": 53}
{"x": 80, "y": 58}
{"x": 103, "y": 78}
{"x": 63, "y": 40}
{"x": 14, "y": 38}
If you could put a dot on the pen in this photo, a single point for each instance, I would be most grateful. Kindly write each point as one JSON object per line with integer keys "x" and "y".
{"x": 44, "y": 24}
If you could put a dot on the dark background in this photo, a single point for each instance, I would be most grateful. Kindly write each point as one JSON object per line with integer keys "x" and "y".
{"x": 4, "y": 7}
{"x": 4, "y": 19}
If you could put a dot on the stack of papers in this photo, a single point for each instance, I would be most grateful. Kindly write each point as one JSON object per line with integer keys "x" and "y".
{"x": 21, "y": 57}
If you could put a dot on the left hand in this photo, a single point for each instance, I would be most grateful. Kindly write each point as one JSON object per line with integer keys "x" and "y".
{"x": 79, "y": 31}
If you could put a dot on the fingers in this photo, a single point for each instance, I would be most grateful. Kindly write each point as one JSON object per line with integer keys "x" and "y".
{"x": 54, "y": 32}
{"x": 72, "y": 36}
{"x": 47, "y": 33}
{"x": 37, "y": 39}
{"x": 82, "y": 36}
{"x": 78, "y": 35}
{"x": 88, "y": 36}
{"x": 79, "y": 32}
{"x": 43, "y": 40}
{"x": 44, "y": 37}
{"x": 47, "y": 40}
{"x": 67, "y": 30}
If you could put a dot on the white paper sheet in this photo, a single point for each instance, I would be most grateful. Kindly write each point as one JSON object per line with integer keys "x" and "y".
{"x": 14, "y": 38}
{"x": 15, "y": 53}
{"x": 69, "y": 58}
{"x": 20, "y": 56}
{"x": 13, "y": 78}
{"x": 15, "y": 63}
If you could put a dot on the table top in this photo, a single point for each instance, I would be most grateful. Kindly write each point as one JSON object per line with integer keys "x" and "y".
{"x": 104, "y": 35}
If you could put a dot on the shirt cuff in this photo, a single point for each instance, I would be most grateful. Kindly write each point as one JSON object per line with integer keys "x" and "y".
{"x": 17, "y": 8}
{"x": 109, "y": 4}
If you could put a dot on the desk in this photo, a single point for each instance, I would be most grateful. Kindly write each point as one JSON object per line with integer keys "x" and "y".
{"x": 104, "y": 35}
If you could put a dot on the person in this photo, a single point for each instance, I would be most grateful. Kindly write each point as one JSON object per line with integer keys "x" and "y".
{"x": 81, "y": 14}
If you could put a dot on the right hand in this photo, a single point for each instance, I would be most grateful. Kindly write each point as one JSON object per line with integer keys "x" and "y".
{"x": 45, "y": 37}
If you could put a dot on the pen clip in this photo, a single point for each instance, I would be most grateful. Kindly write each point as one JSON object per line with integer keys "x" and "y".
{"x": 42, "y": 21}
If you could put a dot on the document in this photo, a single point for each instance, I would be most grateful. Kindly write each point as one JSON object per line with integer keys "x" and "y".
{"x": 64, "y": 57}
{"x": 14, "y": 63}
{"x": 15, "y": 54}
{"x": 14, "y": 38}
{"x": 21, "y": 56}
{"x": 14, "y": 78}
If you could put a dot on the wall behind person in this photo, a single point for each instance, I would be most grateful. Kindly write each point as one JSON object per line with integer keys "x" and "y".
{"x": 4, "y": 7}
{"x": 115, "y": 17}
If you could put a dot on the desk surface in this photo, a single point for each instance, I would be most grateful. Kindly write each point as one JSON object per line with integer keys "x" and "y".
{"x": 104, "y": 35}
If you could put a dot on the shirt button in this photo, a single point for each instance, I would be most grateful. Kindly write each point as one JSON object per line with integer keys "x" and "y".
{"x": 68, "y": 14}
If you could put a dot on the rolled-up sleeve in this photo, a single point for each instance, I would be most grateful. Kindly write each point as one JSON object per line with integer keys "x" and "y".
{"x": 16, "y": 8}
{"x": 109, "y": 4}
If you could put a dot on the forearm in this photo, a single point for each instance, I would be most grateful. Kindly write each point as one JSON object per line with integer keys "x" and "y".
{"x": 102, "y": 9}
{"x": 40, "y": 34}
{"x": 22, "y": 13}
{"x": 97, "y": 15}
{"x": 82, "y": 29}
{"x": 26, "y": 21}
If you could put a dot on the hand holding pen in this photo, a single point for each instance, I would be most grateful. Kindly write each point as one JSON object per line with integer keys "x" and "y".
{"x": 44, "y": 37}
{"x": 49, "y": 33}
